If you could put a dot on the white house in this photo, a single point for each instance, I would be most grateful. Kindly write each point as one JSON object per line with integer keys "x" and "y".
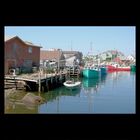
{"x": 70, "y": 61}
{"x": 130, "y": 57}
{"x": 72, "y": 57}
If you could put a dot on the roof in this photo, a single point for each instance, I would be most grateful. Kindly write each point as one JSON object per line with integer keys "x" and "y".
{"x": 49, "y": 55}
{"x": 71, "y": 52}
{"x": 7, "y": 38}
{"x": 29, "y": 43}
{"x": 129, "y": 57}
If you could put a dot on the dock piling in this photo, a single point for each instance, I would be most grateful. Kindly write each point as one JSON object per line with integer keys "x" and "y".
{"x": 39, "y": 85}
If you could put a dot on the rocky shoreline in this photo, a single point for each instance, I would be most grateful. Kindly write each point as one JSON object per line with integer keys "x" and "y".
{"x": 13, "y": 96}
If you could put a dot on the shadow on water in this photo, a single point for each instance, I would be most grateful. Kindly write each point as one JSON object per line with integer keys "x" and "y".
{"x": 61, "y": 91}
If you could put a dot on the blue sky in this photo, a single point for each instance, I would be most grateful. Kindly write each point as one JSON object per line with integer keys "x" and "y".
{"x": 93, "y": 39}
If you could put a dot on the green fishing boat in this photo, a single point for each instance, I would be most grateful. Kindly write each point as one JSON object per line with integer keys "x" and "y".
{"x": 133, "y": 67}
{"x": 91, "y": 72}
{"x": 103, "y": 70}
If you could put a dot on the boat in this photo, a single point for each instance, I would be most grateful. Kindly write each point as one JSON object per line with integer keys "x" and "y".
{"x": 103, "y": 70}
{"x": 91, "y": 69}
{"x": 71, "y": 84}
{"x": 133, "y": 68}
{"x": 116, "y": 67}
{"x": 111, "y": 67}
{"x": 91, "y": 72}
{"x": 123, "y": 68}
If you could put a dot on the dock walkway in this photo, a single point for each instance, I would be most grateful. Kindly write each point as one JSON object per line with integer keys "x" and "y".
{"x": 35, "y": 81}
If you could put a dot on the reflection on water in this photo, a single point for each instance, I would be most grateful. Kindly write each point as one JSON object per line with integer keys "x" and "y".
{"x": 87, "y": 83}
{"x": 111, "y": 93}
{"x": 61, "y": 91}
{"x": 14, "y": 107}
{"x": 90, "y": 85}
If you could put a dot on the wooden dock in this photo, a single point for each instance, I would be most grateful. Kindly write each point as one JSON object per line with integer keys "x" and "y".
{"x": 36, "y": 82}
{"x": 39, "y": 81}
{"x": 73, "y": 72}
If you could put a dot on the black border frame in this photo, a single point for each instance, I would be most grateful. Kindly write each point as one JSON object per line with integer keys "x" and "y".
{"x": 97, "y": 125}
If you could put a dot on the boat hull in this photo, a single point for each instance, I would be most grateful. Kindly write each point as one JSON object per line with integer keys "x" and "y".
{"x": 113, "y": 68}
{"x": 123, "y": 69}
{"x": 103, "y": 70}
{"x": 133, "y": 68}
{"x": 90, "y": 73}
{"x": 72, "y": 85}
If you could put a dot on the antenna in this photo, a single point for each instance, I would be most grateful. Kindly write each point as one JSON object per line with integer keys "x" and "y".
{"x": 91, "y": 46}
{"x": 71, "y": 45}
{"x": 91, "y": 50}
{"x": 40, "y": 45}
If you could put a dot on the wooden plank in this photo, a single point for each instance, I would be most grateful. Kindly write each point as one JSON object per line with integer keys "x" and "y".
{"x": 18, "y": 78}
{"x": 35, "y": 79}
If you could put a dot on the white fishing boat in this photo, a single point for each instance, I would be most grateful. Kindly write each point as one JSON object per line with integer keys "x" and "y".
{"x": 71, "y": 84}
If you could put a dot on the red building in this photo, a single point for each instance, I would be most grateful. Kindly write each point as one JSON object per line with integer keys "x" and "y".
{"x": 20, "y": 54}
{"x": 118, "y": 60}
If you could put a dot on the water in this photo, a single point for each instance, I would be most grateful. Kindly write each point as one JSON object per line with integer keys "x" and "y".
{"x": 113, "y": 93}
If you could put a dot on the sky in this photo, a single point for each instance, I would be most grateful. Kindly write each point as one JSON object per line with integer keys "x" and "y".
{"x": 86, "y": 39}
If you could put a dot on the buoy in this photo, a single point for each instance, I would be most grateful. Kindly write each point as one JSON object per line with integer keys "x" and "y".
{"x": 12, "y": 72}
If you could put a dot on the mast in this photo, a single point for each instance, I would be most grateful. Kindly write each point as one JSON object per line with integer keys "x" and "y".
{"x": 91, "y": 53}
{"x": 91, "y": 47}
{"x": 71, "y": 45}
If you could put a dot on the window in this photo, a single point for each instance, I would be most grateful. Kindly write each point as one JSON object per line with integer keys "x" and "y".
{"x": 30, "y": 50}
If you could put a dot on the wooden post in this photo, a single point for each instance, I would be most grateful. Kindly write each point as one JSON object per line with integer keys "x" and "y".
{"x": 43, "y": 89}
{"x": 58, "y": 104}
{"x": 39, "y": 85}
{"x": 69, "y": 72}
{"x": 78, "y": 73}
{"x": 15, "y": 82}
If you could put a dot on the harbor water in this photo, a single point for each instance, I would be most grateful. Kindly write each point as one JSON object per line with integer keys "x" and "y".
{"x": 113, "y": 93}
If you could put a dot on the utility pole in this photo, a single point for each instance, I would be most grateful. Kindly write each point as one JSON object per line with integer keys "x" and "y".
{"x": 58, "y": 59}
{"x": 91, "y": 46}
{"x": 39, "y": 84}
{"x": 59, "y": 55}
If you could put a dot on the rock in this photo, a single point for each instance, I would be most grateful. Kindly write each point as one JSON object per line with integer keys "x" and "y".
{"x": 14, "y": 94}
{"x": 30, "y": 98}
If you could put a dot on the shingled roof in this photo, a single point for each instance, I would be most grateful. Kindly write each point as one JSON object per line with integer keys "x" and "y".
{"x": 50, "y": 55}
